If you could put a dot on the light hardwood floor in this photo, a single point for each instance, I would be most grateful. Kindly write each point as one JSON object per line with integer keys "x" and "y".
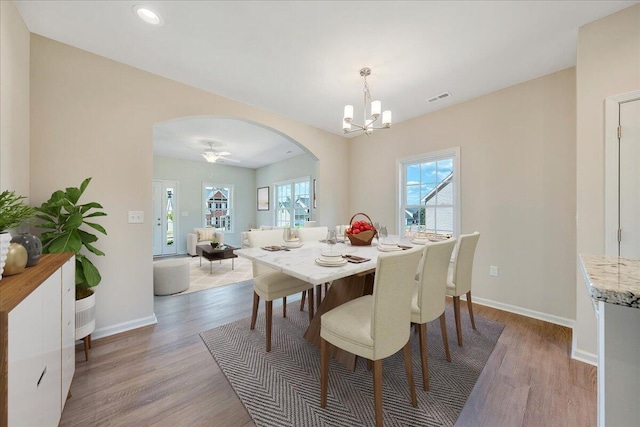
{"x": 163, "y": 375}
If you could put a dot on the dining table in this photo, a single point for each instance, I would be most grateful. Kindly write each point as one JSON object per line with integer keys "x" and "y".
{"x": 348, "y": 281}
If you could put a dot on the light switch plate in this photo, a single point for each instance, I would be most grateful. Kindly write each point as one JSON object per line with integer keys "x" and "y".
{"x": 136, "y": 217}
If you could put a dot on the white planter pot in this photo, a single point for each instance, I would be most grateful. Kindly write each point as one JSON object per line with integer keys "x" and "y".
{"x": 5, "y": 241}
{"x": 85, "y": 316}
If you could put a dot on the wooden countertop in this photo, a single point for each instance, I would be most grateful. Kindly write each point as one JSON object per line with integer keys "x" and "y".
{"x": 14, "y": 289}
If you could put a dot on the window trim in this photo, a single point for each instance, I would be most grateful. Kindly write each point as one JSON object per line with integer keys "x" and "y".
{"x": 291, "y": 181}
{"x": 230, "y": 204}
{"x": 429, "y": 157}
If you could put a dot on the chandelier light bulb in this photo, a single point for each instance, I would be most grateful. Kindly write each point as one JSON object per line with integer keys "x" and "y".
{"x": 348, "y": 113}
{"x": 386, "y": 118}
{"x": 346, "y": 125}
{"x": 376, "y": 107}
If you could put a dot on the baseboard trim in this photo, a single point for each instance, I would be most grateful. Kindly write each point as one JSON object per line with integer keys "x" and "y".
{"x": 562, "y": 321}
{"x": 124, "y": 327}
{"x": 582, "y": 356}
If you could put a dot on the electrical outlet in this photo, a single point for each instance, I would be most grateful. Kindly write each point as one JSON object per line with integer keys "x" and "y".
{"x": 136, "y": 217}
{"x": 493, "y": 270}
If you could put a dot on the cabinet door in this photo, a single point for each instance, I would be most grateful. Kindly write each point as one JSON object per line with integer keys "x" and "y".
{"x": 49, "y": 389}
{"x": 68, "y": 327}
{"x": 25, "y": 365}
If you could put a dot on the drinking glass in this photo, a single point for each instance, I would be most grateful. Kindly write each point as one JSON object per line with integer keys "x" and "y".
{"x": 382, "y": 234}
{"x": 331, "y": 239}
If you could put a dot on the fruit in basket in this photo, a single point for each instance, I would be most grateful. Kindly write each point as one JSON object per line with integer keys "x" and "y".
{"x": 358, "y": 227}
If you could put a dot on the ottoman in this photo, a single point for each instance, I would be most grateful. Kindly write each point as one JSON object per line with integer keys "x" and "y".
{"x": 171, "y": 276}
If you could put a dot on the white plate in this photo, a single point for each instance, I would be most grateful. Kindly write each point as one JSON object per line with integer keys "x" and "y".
{"x": 387, "y": 248}
{"x": 419, "y": 241}
{"x": 293, "y": 244}
{"x": 331, "y": 264}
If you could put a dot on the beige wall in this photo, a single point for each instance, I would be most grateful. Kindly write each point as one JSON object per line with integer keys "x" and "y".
{"x": 14, "y": 100}
{"x": 517, "y": 149}
{"x": 94, "y": 117}
{"x": 608, "y": 64}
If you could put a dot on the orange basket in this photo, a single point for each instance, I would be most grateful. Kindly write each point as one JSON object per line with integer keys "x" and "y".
{"x": 363, "y": 238}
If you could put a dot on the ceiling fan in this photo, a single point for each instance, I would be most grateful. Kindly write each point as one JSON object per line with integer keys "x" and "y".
{"x": 213, "y": 156}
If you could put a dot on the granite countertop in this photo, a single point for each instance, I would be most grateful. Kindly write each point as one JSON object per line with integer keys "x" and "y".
{"x": 612, "y": 279}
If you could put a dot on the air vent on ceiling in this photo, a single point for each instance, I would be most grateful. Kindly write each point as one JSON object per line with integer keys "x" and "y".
{"x": 439, "y": 97}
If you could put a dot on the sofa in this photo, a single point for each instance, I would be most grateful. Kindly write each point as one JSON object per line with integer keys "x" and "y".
{"x": 202, "y": 235}
{"x": 244, "y": 236}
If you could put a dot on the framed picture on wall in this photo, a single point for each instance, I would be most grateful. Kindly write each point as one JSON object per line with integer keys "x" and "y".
{"x": 263, "y": 198}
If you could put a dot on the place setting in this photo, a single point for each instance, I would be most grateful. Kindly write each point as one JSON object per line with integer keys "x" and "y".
{"x": 331, "y": 258}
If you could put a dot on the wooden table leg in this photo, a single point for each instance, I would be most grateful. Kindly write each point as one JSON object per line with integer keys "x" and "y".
{"x": 339, "y": 292}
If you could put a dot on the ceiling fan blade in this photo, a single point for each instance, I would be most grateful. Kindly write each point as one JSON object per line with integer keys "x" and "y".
{"x": 223, "y": 153}
{"x": 226, "y": 159}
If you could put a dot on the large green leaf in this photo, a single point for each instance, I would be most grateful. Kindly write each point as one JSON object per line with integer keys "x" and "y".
{"x": 67, "y": 242}
{"x": 48, "y": 224}
{"x": 91, "y": 273}
{"x": 92, "y": 205}
{"x": 96, "y": 226}
{"x": 100, "y": 213}
{"x": 73, "y": 221}
{"x": 84, "y": 184}
{"x": 87, "y": 237}
{"x": 93, "y": 249}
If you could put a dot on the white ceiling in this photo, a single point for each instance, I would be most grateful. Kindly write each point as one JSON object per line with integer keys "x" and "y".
{"x": 301, "y": 59}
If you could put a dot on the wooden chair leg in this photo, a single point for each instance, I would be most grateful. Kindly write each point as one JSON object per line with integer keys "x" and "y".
{"x": 456, "y": 312}
{"x": 409, "y": 369}
{"x": 470, "y": 307}
{"x": 445, "y": 339}
{"x": 254, "y": 313}
{"x": 318, "y": 295}
{"x": 284, "y": 306}
{"x": 369, "y": 364}
{"x": 304, "y": 297}
{"x": 86, "y": 347}
{"x": 416, "y": 328}
{"x": 324, "y": 371}
{"x": 423, "y": 355}
{"x": 311, "y": 302}
{"x": 377, "y": 390}
{"x": 89, "y": 336}
{"x": 269, "y": 305}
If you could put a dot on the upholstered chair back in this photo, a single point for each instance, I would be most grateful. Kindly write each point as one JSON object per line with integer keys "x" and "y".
{"x": 258, "y": 239}
{"x": 463, "y": 264}
{"x": 392, "y": 291}
{"x": 432, "y": 279}
{"x": 311, "y": 234}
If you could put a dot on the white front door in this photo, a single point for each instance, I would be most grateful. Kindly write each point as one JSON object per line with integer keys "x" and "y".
{"x": 629, "y": 190}
{"x": 165, "y": 209}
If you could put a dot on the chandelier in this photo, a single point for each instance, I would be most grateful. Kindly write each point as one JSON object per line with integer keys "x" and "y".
{"x": 368, "y": 124}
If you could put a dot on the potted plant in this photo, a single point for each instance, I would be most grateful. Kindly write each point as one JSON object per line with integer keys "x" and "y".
{"x": 13, "y": 211}
{"x": 214, "y": 241}
{"x": 63, "y": 216}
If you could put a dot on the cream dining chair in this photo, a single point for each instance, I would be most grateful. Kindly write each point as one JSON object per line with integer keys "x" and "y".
{"x": 270, "y": 284}
{"x": 459, "y": 281}
{"x": 429, "y": 297}
{"x": 374, "y": 326}
{"x": 312, "y": 234}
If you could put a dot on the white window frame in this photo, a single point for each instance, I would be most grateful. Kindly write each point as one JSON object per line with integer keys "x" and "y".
{"x": 230, "y": 205}
{"x": 291, "y": 182}
{"x": 426, "y": 158}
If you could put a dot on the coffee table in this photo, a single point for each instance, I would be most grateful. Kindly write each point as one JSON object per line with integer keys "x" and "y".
{"x": 216, "y": 254}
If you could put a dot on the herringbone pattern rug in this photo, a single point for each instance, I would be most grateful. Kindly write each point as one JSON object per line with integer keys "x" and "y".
{"x": 282, "y": 388}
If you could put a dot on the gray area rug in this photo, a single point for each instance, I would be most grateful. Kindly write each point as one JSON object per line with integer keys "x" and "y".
{"x": 282, "y": 388}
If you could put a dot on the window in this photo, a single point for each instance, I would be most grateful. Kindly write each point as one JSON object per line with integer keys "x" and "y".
{"x": 293, "y": 200}
{"x": 429, "y": 193}
{"x": 218, "y": 206}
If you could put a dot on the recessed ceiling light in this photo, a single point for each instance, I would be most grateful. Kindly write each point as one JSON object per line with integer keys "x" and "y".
{"x": 147, "y": 15}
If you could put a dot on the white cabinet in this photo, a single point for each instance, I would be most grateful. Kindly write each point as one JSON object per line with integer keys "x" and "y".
{"x": 34, "y": 357}
{"x": 41, "y": 354}
{"x": 68, "y": 328}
